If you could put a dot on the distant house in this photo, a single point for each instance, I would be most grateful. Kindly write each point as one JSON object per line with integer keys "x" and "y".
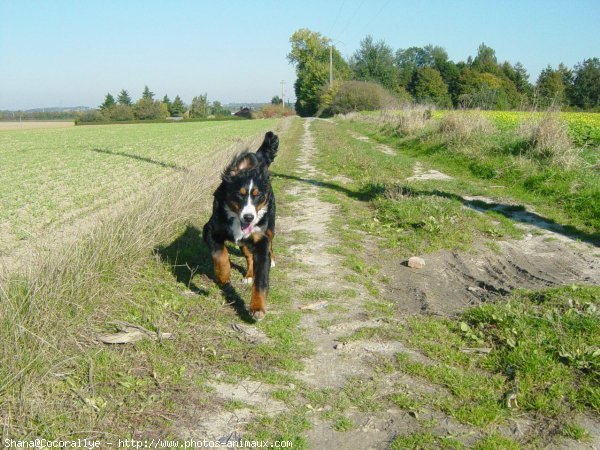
{"x": 175, "y": 119}
{"x": 244, "y": 112}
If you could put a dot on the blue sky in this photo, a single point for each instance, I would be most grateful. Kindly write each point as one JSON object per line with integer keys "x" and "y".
{"x": 70, "y": 53}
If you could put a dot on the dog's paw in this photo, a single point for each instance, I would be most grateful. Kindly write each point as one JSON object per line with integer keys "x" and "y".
{"x": 248, "y": 280}
{"x": 258, "y": 314}
{"x": 272, "y": 263}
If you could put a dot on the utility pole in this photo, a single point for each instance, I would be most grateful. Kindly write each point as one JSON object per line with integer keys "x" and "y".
{"x": 330, "y": 65}
{"x": 282, "y": 98}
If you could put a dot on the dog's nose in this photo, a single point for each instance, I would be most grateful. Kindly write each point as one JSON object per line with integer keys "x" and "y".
{"x": 248, "y": 218}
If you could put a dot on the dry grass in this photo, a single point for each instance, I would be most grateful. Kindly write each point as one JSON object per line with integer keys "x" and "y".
{"x": 405, "y": 121}
{"x": 461, "y": 126}
{"x": 412, "y": 119}
{"x": 547, "y": 140}
{"x": 46, "y": 310}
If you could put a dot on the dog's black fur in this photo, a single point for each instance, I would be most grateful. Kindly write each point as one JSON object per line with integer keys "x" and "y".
{"x": 244, "y": 213}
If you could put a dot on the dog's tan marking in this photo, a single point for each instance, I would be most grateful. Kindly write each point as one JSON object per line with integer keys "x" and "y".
{"x": 255, "y": 192}
{"x": 249, "y": 259}
{"x": 257, "y": 237}
{"x": 222, "y": 266}
{"x": 258, "y": 303}
{"x": 233, "y": 206}
{"x": 262, "y": 205}
{"x": 243, "y": 191}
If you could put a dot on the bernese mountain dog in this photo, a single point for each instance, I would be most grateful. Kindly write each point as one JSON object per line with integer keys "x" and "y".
{"x": 244, "y": 213}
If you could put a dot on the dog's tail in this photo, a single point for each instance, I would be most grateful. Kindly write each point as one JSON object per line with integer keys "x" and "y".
{"x": 268, "y": 149}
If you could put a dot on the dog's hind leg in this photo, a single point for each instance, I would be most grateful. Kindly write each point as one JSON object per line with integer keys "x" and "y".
{"x": 262, "y": 266}
{"x": 250, "y": 261}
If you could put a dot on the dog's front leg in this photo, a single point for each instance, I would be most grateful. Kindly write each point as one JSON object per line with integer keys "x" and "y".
{"x": 219, "y": 254}
{"x": 249, "y": 278}
{"x": 262, "y": 266}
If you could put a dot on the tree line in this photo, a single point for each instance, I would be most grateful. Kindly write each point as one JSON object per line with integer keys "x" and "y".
{"x": 427, "y": 75}
{"x": 148, "y": 108}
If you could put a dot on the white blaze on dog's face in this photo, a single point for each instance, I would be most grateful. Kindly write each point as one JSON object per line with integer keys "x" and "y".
{"x": 248, "y": 214}
{"x": 247, "y": 207}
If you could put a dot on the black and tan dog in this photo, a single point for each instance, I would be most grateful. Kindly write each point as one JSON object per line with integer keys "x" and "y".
{"x": 244, "y": 213}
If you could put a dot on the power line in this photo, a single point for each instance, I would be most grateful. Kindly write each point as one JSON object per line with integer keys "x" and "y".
{"x": 378, "y": 12}
{"x": 338, "y": 15}
{"x": 352, "y": 17}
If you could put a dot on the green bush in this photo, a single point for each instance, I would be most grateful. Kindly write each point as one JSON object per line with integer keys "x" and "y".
{"x": 121, "y": 112}
{"x": 93, "y": 115}
{"x": 360, "y": 96}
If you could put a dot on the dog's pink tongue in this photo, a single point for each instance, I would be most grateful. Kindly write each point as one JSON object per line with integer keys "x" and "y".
{"x": 246, "y": 229}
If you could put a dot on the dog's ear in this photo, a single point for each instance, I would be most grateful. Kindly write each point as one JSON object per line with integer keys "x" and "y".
{"x": 244, "y": 161}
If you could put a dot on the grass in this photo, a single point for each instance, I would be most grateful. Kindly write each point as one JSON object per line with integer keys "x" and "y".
{"x": 53, "y": 176}
{"x": 543, "y": 347}
{"x": 414, "y": 218}
{"x": 144, "y": 265}
{"x": 147, "y": 265}
{"x": 539, "y": 347}
{"x": 560, "y": 181}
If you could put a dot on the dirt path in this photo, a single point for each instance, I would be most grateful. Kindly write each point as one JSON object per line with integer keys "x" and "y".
{"x": 336, "y": 365}
{"x": 332, "y": 365}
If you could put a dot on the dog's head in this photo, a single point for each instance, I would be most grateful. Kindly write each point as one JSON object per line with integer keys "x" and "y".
{"x": 246, "y": 184}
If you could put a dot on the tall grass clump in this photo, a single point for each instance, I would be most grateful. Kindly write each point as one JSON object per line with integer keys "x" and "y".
{"x": 547, "y": 140}
{"x": 406, "y": 121}
{"x": 51, "y": 309}
{"x": 462, "y": 127}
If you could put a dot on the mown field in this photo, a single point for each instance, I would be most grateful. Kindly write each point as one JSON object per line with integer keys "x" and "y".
{"x": 50, "y": 177}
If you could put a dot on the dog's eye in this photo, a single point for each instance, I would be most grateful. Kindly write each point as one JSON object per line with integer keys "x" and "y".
{"x": 255, "y": 193}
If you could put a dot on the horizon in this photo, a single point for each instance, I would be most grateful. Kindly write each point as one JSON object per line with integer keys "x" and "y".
{"x": 90, "y": 49}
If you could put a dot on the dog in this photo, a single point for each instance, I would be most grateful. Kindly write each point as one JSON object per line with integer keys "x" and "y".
{"x": 244, "y": 213}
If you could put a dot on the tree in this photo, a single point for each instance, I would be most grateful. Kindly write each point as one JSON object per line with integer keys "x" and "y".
{"x": 486, "y": 61}
{"x": 486, "y": 90}
{"x": 199, "y": 107}
{"x": 109, "y": 102}
{"x": 310, "y": 55}
{"x": 148, "y": 109}
{"x": 147, "y": 94}
{"x": 518, "y": 75}
{"x": 276, "y": 100}
{"x": 586, "y": 84}
{"x": 167, "y": 101}
{"x": 427, "y": 86}
{"x": 124, "y": 98}
{"x": 551, "y": 87}
{"x": 219, "y": 110}
{"x": 408, "y": 61}
{"x": 177, "y": 108}
{"x": 374, "y": 61}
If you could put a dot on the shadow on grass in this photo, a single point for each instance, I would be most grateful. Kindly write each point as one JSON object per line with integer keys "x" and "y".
{"x": 370, "y": 192}
{"x": 142, "y": 158}
{"x": 188, "y": 255}
{"x": 517, "y": 213}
